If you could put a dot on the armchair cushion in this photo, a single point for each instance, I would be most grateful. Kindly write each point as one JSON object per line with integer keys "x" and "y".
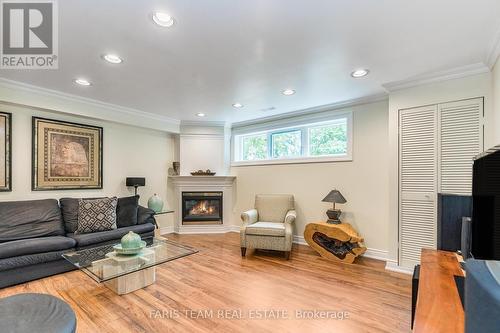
{"x": 273, "y": 207}
{"x": 266, "y": 229}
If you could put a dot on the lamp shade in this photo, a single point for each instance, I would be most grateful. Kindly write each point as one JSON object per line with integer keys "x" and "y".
{"x": 335, "y": 196}
{"x": 135, "y": 181}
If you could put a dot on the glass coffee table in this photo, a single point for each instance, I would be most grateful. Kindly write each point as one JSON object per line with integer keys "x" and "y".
{"x": 126, "y": 273}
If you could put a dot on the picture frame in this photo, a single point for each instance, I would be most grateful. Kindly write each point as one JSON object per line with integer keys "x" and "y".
{"x": 66, "y": 155}
{"x": 5, "y": 151}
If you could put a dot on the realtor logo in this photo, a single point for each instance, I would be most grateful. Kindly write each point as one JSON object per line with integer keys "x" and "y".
{"x": 29, "y": 34}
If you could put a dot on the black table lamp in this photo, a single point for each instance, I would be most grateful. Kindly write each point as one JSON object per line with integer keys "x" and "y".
{"x": 135, "y": 182}
{"x": 333, "y": 214}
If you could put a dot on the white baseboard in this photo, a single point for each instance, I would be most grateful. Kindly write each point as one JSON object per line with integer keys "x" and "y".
{"x": 376, "y": 254}
{"x": 166, "y": 230}
{"x": 299, "y": 240}
{"x": 392, "y": 265}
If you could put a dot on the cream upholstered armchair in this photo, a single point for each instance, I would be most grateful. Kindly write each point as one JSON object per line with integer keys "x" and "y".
{"x": 269, "y": 225}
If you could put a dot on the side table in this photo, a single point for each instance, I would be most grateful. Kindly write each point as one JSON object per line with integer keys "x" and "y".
{"x": 339, "y": 242}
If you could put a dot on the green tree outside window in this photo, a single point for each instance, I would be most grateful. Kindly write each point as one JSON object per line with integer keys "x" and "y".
{"x": 328, "y": 140}
{"x": 255, "y": 147}
{"x": 287, "y": 144}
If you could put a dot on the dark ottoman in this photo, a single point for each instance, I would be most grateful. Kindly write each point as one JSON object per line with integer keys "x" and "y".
{"x": 28, "y": 313}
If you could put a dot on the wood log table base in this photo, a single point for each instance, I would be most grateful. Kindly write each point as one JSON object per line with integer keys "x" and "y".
{"x": 339, "y": 242}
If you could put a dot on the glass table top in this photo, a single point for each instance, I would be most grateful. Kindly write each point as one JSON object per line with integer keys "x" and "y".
{"x": 103, "y": 264}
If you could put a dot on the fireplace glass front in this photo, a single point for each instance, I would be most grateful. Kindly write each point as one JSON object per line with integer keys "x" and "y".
{"x": 201, "y": 207}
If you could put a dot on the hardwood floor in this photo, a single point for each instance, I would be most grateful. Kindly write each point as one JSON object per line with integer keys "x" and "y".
{"x": 192, "y": 293}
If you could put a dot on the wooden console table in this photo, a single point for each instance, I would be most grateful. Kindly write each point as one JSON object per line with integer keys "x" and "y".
{"x": 439, "y": 309}
{"x": 339, "y": 242}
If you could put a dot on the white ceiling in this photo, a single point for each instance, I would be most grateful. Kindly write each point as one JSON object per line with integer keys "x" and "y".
{"x": 225, "y": 51}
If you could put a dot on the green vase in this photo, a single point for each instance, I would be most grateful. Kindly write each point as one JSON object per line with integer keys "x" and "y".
{"x": 131, "y": 241}
{"x": 155, "y": 203}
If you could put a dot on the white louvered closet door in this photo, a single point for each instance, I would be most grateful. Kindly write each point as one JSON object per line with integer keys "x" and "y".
{"x": 418, "y": 182}
{"x": 460, "y": 140}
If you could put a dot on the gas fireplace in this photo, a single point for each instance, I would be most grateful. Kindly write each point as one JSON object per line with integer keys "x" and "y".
{"x": 201, "y": 207}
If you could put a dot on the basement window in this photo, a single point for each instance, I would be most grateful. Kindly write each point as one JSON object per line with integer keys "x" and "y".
{"x": 324, "y": 141}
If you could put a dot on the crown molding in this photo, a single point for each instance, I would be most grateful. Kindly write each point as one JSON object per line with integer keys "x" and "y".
{"x": 202, "y": 123}
{"x": 494, "y": 51}
{"x": 316, "y": 109}
{"x": 451, "y": 74}
{"x": 18, "y": 93}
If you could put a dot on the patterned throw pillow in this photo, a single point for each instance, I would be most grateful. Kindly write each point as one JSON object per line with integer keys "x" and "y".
{"x": 96, "y": 215}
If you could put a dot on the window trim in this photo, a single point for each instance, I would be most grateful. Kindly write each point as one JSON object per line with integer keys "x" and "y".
{"x": 237, "y": 145}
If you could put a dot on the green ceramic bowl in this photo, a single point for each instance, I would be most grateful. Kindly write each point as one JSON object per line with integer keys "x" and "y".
{"x": 129, "y": 251}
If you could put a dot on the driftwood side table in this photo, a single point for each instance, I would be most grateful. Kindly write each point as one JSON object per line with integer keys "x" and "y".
{"x": 339, "y": 242}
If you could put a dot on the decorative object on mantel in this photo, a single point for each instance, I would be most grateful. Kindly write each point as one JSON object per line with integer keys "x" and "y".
{"x": 155, "y": 203}
{"x": 177, "y": 168}
{"x": 130, "y": 244}
{"x": 203, "y": 173}
{"x": 334, "y": 214}
{"x": 135, "y": 182}
{"x": 339, "y": 242}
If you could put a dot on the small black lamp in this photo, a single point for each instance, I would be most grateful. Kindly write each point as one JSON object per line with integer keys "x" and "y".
{"x": 333, "y": 214}
{"x": 135, "y": 182}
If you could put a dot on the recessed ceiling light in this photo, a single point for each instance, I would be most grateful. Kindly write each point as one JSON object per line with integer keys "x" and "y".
{"x": 112, "y": 58}
{"x": 200, "y": 114}
{"x": 237, "y": 105}
{"x": 163, "y": 19}
{"x": 360, "y": 73}
{"x": 82, "y": 82}
{"x": 288, "y": 92}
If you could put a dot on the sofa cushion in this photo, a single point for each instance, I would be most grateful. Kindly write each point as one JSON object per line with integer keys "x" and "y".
{"x": 30, "y": 219}
{"x": 145, "y": 215}
{"x": 266, "y": 229}
{"x": 105, "y": 236}
{"x": 30, "y": 259}
{"x": 96, "y": 215}
{"x": 69, "y": 209}
{"x": 273, "y": 207}
{"x": 126, "y": 211}
{"x": 35, "y": 245}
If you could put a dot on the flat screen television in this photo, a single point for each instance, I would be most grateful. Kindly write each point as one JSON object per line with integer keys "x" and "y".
{"x": 486, "y": 206}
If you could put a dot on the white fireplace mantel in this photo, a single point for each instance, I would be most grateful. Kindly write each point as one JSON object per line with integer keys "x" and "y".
{"x": 203, "y": 180}
{"x": 224, "y": 184}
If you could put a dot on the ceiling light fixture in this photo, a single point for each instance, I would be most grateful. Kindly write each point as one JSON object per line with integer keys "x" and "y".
{"x": 237, "y": 105}
{"x": 163, "y": 19}
{"x": 82, "y": 82}
{"x": 360, "y": 73}
{"x": 112, "y": 58}
{"x": 200, "y": 114}
{"x": 288, "y": 92}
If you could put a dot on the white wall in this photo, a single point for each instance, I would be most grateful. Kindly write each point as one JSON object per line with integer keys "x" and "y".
{"x": 202, "y": 148}
{"x": 363, "y": 181}
{"x": 127, "y": 151}
{"x": 496, "y": 97}
{"x": 433, "y": 93}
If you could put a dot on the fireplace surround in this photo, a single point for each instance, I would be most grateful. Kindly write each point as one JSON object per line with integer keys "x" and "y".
{"x": 224, "y": 186}
{"x": 202, "y": 207}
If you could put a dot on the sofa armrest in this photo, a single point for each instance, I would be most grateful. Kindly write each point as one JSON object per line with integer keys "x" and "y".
{"x": 250, "y": 216}
{"x": 290, "y": 216}
{"x": 146, "y": 215}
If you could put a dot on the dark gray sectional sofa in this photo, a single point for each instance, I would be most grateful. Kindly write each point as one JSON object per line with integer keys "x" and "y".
{"x": 34, "y": 235}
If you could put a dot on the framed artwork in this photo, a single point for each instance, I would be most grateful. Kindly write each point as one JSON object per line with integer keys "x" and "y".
{"x": 5, "y": 152}
{"x": 66, "y": 156}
